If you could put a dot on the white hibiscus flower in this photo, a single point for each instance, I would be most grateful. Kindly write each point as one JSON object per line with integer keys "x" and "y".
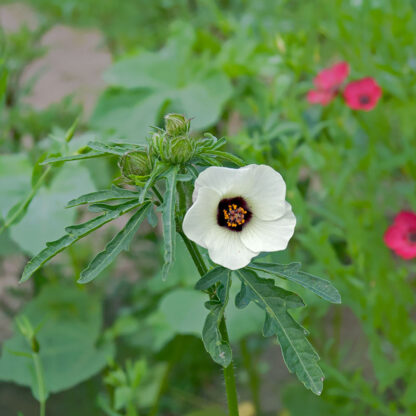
{"x": 237, "y": 213}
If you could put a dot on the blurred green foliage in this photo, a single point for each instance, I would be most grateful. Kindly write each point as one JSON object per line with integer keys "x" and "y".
{"x": 241, "y": 69}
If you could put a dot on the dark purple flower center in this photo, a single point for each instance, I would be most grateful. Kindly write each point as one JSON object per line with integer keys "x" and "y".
{"x": 364, "y": 99}
{"x": 412, "y": 236}
{"x": 233, "y": 213}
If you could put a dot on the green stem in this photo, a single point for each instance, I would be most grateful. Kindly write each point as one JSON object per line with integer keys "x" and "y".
{"x": 41, "y": 384}
{"x": 229, "y": 377}
{"x": 254, "y": 379}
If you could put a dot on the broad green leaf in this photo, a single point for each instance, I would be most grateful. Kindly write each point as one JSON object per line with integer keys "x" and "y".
{"x": 18, "y": 211}
{"x": 299, "y": 355}
{"x": 15, "y": 172}
{"x": 169, "y": 224}
{"x": 46, "y": 217}
{"x": 292, "y": 272}
{"x": 184, "y": 311}
{"x": 74, "y": 233}
{"x": 146, "y": 81}
{"x": 115, "y": 193}
{"x": 119, "y": 243}
{"x": 69, "y": 322}
{"x": 127, "y": 113}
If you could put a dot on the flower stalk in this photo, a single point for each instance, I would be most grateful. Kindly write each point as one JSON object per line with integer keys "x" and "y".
{"x": 229, "y": 376}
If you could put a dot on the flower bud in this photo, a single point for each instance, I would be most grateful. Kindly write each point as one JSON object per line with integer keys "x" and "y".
{"x": 176, "y": 124}
{"x": 156, "y": 143}
{"x": 181, "y": 150}
{"x": 135, "y": 163}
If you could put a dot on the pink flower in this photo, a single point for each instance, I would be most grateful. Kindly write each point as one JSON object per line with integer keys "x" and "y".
{"x": 320, "y": 97}
{"x": 362, "y": 94}
{"x": 327, "y": 83}
{"x": 332, "y": 78}
{"x": 401, "y": 236}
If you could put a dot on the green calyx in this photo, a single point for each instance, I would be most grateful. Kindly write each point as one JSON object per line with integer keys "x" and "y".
{"x": 176, "y": 125}
{"x": 134, "y": 164}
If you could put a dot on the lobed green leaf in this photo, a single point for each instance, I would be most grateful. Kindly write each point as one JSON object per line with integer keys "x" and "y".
{"x": 299, "y": 355}
{"x": 118, "y": 149}
{"x": 115, "y": 193}
{"x": 74, "y": 233}
{"x": 168, "y": 218}
{"x": 216, "y": 346}
{"x": 119, "y": 243}
{"x": 292, "y": 272}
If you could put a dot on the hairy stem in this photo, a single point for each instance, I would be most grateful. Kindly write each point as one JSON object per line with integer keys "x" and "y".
{"x": 229, "y": 377}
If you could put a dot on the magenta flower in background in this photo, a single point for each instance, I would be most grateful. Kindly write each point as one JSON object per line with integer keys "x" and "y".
{"x": 401, "y": 235}
{"x": 362, "y": 94}
{"x": 327, "y": 83}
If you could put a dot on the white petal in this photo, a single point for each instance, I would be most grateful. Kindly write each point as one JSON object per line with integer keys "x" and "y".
{"x": 201, "y": 218}
{"x": 226, "y": 249}
{"x": 261, "y": 235}
{"x": 264, "y": 190}
{"x": 218, "y": 178}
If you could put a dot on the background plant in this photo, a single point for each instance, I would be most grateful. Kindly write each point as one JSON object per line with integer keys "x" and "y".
{"x": 349, "y": 173}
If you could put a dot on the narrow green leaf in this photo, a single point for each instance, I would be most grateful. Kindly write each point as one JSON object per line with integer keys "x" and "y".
{"x": 216, "y": 346}
{"x": 119, "y": 243}
{"x": 71, "y": 131}
{"x": 299, "y": 355}
{"x": 168, "y": 218}
{"x": 74, "y": 233}
{"x": 113, "y": 148}
{"x": 70, "y": 158}
{"x": 157, "y": 172}
{"x": 292, "y": 272}
{"x": 227, "y": 156}
{"x": 114, "y": 193}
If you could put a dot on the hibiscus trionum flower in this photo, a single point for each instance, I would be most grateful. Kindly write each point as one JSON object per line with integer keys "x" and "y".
{"x": 401, "y": 236}
{"x": 237, "y": 213}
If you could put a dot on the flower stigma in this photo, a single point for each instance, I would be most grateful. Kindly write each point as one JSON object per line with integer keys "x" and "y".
{"x": 233, "y": 213}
